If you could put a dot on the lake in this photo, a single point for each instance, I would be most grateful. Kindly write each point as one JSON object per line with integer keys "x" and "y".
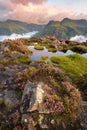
{"x": 37, "y": 54}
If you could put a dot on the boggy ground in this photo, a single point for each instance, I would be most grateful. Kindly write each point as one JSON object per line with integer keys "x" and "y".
{"x": 53, "y": 44}
{"x": 41, "y": 94}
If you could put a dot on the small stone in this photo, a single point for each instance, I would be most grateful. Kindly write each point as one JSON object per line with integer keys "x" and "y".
{"x": 81, "y": 124}
{"x": 25, "y": 120}
{"x": 52, "y": 121}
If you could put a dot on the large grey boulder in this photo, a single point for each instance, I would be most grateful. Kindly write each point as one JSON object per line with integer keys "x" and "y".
{"x": 34, "y": 93}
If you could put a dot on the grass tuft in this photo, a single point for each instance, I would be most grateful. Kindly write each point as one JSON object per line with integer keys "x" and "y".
{"x": 73, "y": 65}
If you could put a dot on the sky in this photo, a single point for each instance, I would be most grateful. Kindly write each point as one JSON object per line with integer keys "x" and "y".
{"x": 42, "y": 11}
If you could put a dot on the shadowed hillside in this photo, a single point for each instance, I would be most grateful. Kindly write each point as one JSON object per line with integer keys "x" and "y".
{"x": 65, "y": 29}
{"x": 11, "y": 26}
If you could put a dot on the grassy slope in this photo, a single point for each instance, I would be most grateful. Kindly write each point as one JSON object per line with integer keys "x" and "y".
{"x": 73, "y": 65}
{"x": 8, "y": 28}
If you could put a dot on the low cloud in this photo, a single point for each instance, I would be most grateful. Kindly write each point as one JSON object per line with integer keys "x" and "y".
{"x": 79, "y": 38}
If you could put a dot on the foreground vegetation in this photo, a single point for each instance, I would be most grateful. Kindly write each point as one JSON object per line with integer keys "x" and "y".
{"x": 57, "y": 81}
{"x": 21, "y": 59}
{"x": 38, "y": 47}
{"x": 75, "y": 66}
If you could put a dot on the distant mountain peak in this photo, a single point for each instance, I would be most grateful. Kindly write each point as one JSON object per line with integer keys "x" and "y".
{"x": 66, "y": 20}
{"x": 15, "y": 21}
{"x": 13, "y": 26}
{"x": 51, "y": 21}
{"x": 65, "y": 29}
{"x": 11, "y": 20}
{"x": 74, "y": 20}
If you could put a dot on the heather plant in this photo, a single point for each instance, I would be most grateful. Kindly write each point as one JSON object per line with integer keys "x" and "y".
{"x": 65, "y": 103}
{"x": 61, "y": 98}
{"x": 17, "y": 45}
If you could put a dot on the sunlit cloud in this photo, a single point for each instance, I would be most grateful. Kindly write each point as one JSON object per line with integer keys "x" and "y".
{"x": 35, "y": 11}
{"x": 26, "y": 2}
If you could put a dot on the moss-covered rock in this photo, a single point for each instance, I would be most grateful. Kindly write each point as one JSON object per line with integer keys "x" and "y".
{"x": 80, "y": 49}
{"x": 38, "y": 47}
{"x": 44, "y": 57}
{"x": 52, "y": 50}
{"x": 21, "y": 59}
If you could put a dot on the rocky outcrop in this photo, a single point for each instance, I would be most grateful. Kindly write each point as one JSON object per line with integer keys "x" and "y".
{"x": 42, "y": 106}
{"x": 37, "y": 95}
{"x": 34, "y": 93}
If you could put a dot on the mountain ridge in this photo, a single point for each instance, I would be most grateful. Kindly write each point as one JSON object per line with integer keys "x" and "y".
{"x": 13, "y": 26}
{"x": 65, "y": 29}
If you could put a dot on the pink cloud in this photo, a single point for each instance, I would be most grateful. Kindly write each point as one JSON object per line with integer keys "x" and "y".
{"x": 26, "y": 2}
{"x": 38, "y": 1}
{"x": 36, "y": 13}
{"x": 7, "y": 5}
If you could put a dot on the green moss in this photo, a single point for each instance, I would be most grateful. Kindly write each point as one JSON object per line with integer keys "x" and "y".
{"x": 82, "y": 84}
{"x": 19, "y": 93}
{"x": 44, "y": 57}
{"x": 27, "y": 49}
{"x": 52, "y": 50}
{"x": 55, "y": 84}
{"x": 39, "y": 61}
{"x": 22, "y": 59}
{"x": 50, "y": 46}
{"x": 6, "y": 61}
{"x": 5, "y": 128}
{"x": 73, "y": 65}
{"x": 65, "y": 48}
{"x": 38, "y": 47}
{"x": 80, "y": 49}
{"x": 76, "y": 48}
